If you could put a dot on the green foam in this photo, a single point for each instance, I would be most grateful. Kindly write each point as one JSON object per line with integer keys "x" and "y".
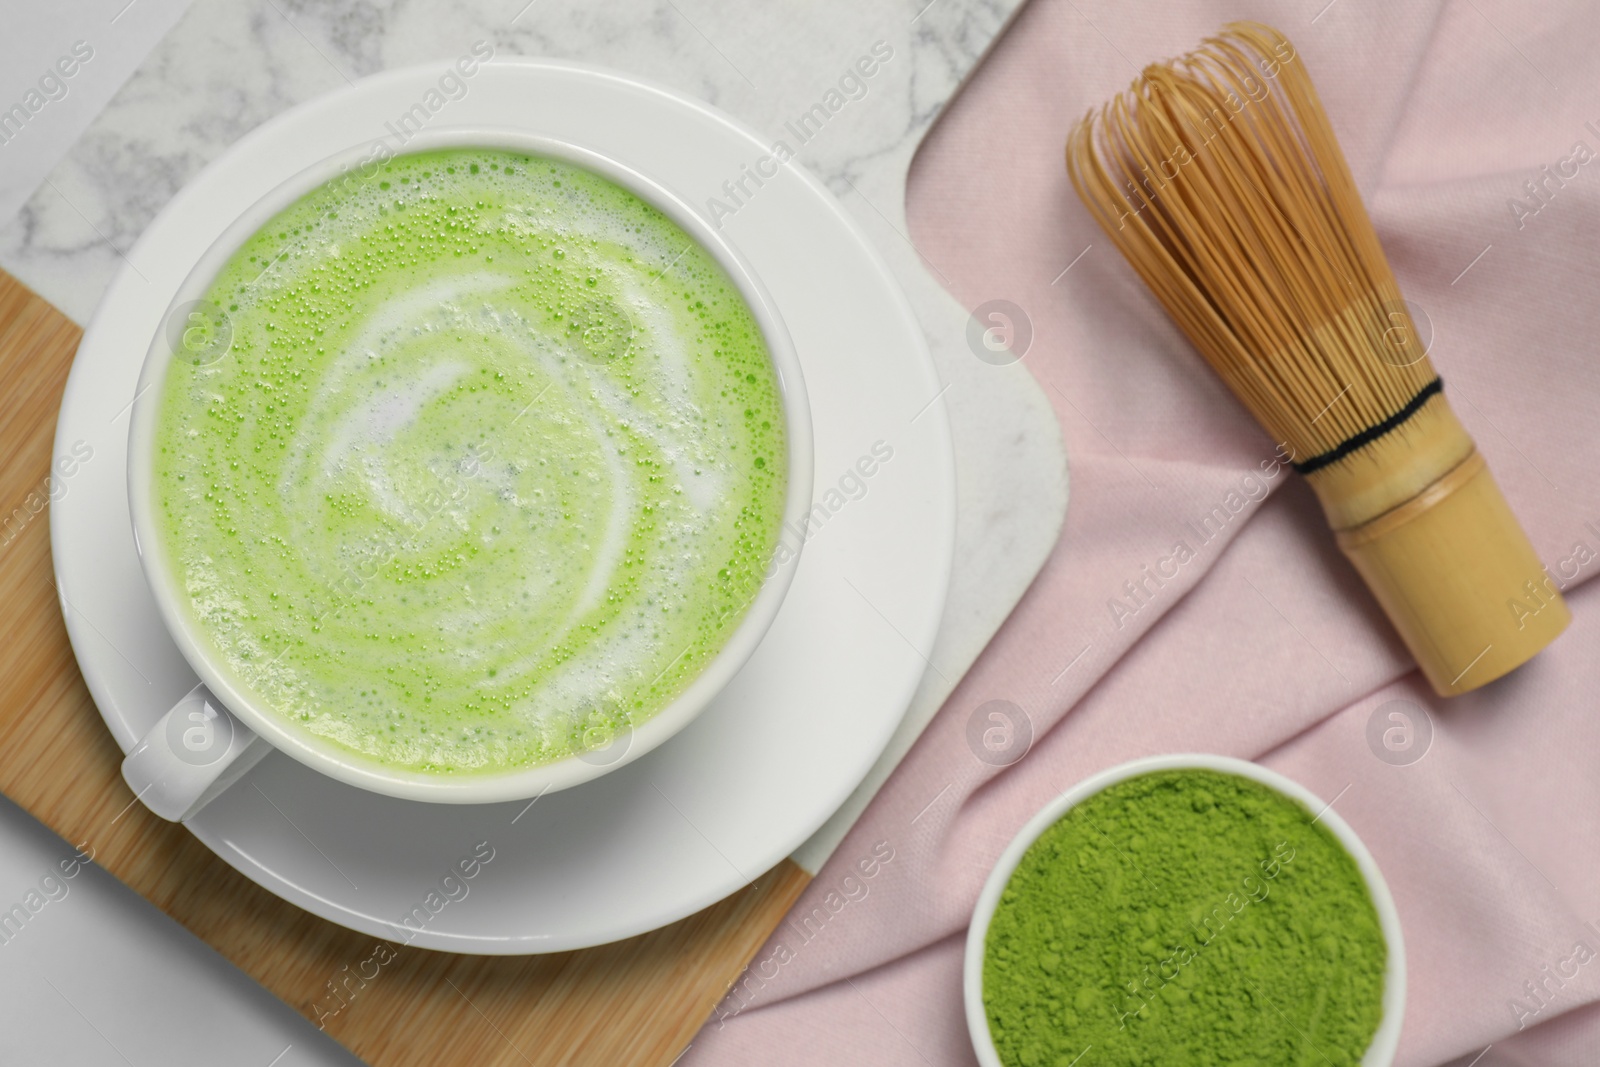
{"x": 493, "y": 467}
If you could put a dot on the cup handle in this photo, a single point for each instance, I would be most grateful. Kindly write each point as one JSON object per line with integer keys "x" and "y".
{"x": 190, "y": 756}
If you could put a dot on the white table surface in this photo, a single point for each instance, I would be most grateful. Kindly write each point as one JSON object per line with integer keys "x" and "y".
{"x": 97, "y": 975}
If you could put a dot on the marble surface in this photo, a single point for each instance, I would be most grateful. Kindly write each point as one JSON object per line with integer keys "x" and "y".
{"x": 228, "y": 66}
{"x": 97, "y": 975}
{"x": 59, "y": 66}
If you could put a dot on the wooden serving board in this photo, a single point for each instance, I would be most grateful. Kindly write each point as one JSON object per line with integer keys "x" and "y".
{"x": 638, "y": 1001}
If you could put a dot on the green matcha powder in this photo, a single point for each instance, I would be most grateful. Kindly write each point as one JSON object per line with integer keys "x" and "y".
{"x": 1185, "y": 917}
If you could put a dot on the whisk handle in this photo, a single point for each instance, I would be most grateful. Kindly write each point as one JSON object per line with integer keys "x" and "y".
{"x": 1457, "y": 576}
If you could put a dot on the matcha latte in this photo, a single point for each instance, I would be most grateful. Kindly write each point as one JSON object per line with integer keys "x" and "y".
{"x": 488, "y": 469}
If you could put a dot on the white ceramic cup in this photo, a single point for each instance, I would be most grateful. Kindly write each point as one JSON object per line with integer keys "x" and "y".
{"x": 221, "y": 728}
{"x": 1379, "y": 1054}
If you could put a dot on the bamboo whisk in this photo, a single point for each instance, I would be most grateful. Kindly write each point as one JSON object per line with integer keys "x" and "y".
{"x": 1219, "y": 177}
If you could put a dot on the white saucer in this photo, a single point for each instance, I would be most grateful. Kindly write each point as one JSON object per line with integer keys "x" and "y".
{"x": 772, "y": 757}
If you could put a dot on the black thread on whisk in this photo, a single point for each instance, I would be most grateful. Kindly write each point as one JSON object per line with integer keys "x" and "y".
{"x": 1371, "y": 433}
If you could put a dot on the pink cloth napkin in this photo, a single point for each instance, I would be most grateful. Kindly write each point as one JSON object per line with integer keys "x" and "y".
{"x": 1265, "y": 645}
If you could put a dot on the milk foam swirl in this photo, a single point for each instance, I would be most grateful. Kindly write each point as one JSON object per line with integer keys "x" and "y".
{"x": 480, "y": 479}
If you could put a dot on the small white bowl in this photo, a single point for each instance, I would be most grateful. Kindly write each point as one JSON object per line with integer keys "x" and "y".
{"x": 1379, "y": 1054}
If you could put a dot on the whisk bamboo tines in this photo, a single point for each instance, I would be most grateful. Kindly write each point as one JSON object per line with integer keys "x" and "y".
{"x": 1219, "y": 177}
